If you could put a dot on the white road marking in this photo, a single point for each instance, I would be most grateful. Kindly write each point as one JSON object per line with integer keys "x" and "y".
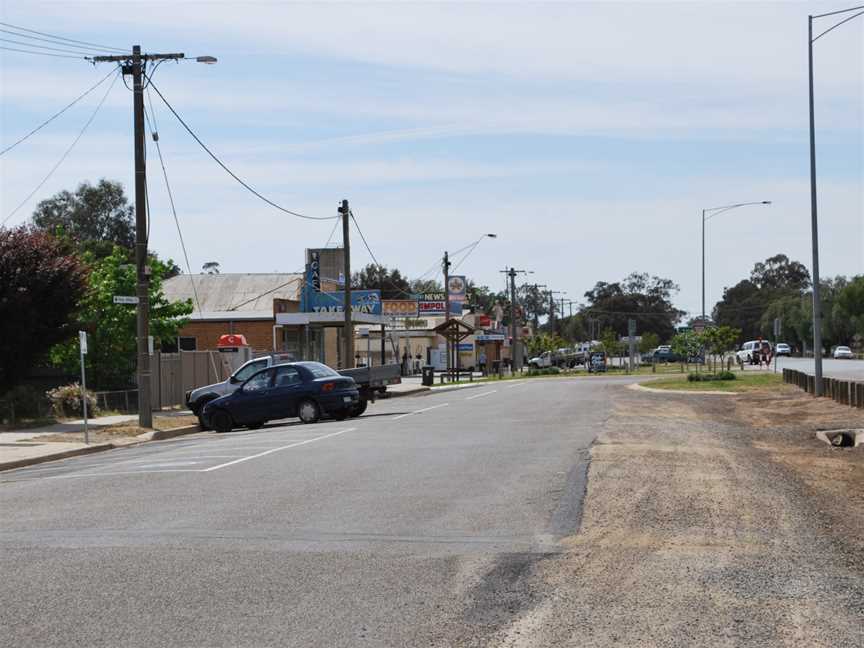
{"x": 481, "y": 395}
{"x": 518, "y": 384}
{"x": 425, "y": 409}
{"x": 128, "y": 472}
{"x": 266, "y": 452}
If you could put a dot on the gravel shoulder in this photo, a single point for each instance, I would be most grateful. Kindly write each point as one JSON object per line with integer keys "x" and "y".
{"x": 708, "y": 522}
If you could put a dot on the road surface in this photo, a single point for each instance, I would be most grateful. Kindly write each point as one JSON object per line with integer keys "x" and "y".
{"x": 842, "y": 369}
{"x": 400, "y": 528}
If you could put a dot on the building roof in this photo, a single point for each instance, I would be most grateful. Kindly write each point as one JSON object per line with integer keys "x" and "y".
{"x": 232, "y": 295}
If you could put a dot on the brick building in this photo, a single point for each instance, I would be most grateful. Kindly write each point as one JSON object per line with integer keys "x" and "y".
{"x": 234, "y": 303}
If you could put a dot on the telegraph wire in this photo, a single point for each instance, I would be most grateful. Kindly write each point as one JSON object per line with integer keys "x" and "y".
{"x": 66, "y": 153}
{"x": 225, "y": 167}
{"x": 15, "y": 49}
{"x": 46, "y": 40}
{"x": 57, "y": 114}
{"x": 39, "y": 47}
{"x": 62, "y": 38}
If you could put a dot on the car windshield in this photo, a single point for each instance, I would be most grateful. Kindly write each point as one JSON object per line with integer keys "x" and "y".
{"x": 319, "y": 370}
{"x": 246, "y": 371}
{"x": 843, "y": 348}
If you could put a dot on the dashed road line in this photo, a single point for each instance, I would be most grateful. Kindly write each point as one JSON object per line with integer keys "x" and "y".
{"x": 481, "y": 395}
{"x": 420, "y": 411}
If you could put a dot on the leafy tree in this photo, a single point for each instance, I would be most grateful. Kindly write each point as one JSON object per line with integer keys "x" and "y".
{"x": 41, "y": 281}
{"x": 112, "y": 327}
{"x": 645, "y": 298}
{"x": 687, "y": 344}
{"x": 742, "y": 307}
{"x": 481, "y": 297}
{"x": 611, "y": 342}
{"x": 649, "y": 342}
{"x": 535, "y": 302}
{"x": 96, "y": 218}
{"x": 425, "y": 286}
{"x": 718, "y": 340}
{"x": 211, "y": 267}
{"x": 849, "y": 305}
{"x": 391, "y": 283}
{"x": 779, "y": 273}
{"x": 543, "y": 342}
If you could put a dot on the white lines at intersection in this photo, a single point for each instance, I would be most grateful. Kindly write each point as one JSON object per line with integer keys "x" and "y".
{"x": 285, "y": 447}
{"x": 425, "y": 409}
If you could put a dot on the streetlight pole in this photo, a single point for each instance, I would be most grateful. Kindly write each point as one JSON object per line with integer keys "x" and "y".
{"x": 708, "y": 214}
{"x": 516, "y": 355}
{"x": 814, "y": 225}
{"x": 134, "y": 64}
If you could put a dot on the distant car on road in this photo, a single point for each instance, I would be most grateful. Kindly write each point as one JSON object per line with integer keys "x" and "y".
{"x": 843, "y": 352}
{"x": 307, "y": 390}
{"x": 783, "y": 349}
{"x": 751, "y": 352}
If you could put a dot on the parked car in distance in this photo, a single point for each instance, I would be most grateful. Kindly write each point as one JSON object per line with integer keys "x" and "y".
{"x": 783, "y": 349}
{"x": 751, "y": 352}
{"x": 843, "y": 352}
{"x": 307, "y": 390}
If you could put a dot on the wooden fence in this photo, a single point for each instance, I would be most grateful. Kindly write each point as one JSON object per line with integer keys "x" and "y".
{"x": 846, "y": 392}
{"x": 173, "y": 374}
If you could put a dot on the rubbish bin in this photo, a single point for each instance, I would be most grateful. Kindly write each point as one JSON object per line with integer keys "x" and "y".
{"x": 428, "y": 376}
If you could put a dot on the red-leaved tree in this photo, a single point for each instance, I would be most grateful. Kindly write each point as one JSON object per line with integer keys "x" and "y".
{"x": 41, "y": 283}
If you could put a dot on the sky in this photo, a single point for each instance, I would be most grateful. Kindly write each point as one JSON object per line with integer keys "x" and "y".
{"x": 587, "y": 136}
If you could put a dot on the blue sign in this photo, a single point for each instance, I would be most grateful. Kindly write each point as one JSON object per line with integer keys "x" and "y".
{"x": 466, "y": 346}
{"x": 362, "y": 301}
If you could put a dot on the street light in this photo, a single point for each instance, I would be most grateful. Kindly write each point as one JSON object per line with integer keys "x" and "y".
{"x": 708, "y": 214}
{"x": 817, "y": 301}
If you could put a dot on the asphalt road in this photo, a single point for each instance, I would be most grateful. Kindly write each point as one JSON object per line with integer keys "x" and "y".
{"x": 404, "y": 527}
{"x": 842, "y": 369}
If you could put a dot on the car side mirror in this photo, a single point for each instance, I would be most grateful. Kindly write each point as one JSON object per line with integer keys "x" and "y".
{"x": 234, "y": 380}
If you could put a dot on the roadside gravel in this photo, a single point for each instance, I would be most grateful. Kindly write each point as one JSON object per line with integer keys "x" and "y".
{"x": 699, "y": 531}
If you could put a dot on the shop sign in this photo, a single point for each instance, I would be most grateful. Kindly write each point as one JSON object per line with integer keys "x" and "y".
{"x": 362, "y": 301}
{"x": 456, "y": 286}
{"x": 399, "y": 307}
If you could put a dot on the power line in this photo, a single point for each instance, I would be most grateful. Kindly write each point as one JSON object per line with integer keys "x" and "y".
{"x": 37, "y": 46}
{"x": 57, "y": 114}
{"x": 66, "y": 153}
{"x": 15, "y": 49}
{"x": 44, "y": 40}
{"x": 229, "y": 171}
{"x": 62, "y": 38}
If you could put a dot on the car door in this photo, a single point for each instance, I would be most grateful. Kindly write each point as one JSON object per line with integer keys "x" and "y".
{"x": 251, "y": 403}
{"x": 285, "y": 393}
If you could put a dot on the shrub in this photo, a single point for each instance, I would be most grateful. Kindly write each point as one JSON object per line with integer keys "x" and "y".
{"x": 705, "y": 377}
{"x": 547, "y": 371}
{"x": 66, "y": 401}
{"x": 23, "y": 402}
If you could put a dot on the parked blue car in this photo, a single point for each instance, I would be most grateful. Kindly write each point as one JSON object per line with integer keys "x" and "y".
{"x": 307, "y": 390}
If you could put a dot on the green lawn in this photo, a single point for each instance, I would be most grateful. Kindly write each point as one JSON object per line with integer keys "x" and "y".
{"x": 744, "y": 382}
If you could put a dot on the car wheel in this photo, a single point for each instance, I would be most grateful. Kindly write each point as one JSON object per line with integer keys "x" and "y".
{"x": 257, "y": 425}
{"x": 308, "y": 411}
{"x": 202, "y": 423}
{"x": 359, "y": 408}
{"x": 341, "y": 415}
{"x": 221, "y": 421}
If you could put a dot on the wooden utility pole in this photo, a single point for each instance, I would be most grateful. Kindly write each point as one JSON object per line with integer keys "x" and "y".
{"x": 446, "y": 267}
{"x": 348, "y": 328}
{"x": 516, "y": 355}
{"x": 133, "y": 65}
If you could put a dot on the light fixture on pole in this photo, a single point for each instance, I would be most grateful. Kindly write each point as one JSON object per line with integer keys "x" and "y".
{"x": 708, "y": 214}
{"x": 814, "y": 229}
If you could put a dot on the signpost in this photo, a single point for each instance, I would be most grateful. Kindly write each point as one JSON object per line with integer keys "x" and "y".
{"x": 631, "y": 332}
{"x": 123, "y": 299}
{"x": 82, "y": 343}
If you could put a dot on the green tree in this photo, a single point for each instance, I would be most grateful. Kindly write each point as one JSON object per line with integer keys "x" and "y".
{"x": 96, "y": 218}
{"x": 391, "y": 283}
{"x": 645, "y": 298}
{"x": 112, "y": 327}
{"x": 611, "y": 342}
{"x": 425, "y": 286}
{"x": 687, "y": 344}
{"x": 850, "y": 305}
{"x": 719, "y": 340}
{"x": 649, "y": 342}
{"x": 542, "y": 342}
{"x": 41, "y": 281}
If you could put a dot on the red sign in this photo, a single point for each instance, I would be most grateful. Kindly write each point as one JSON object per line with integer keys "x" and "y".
{"x": 483, "y": 321}
{"x": 232, "y": 340}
